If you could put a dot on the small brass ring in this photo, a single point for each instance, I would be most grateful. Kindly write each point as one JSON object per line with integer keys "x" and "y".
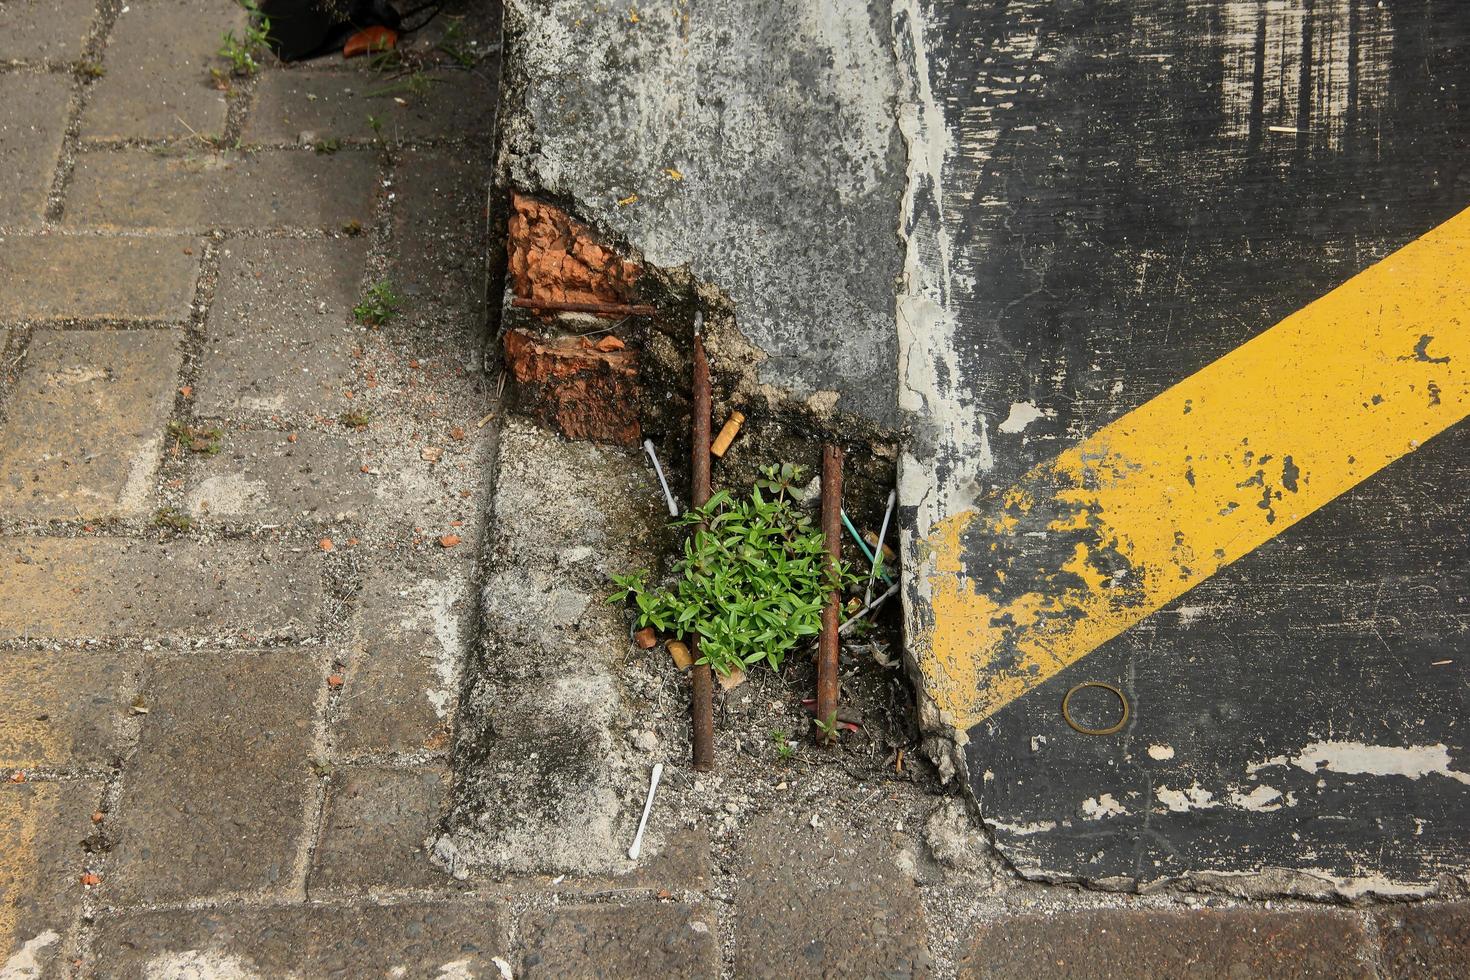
{"x": 1067, "y": 709}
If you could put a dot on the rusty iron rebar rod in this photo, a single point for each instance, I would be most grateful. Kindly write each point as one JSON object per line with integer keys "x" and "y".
{"x": 703, "y": 706}
{"x": 832, "y": 537}
{"x": 605, "y": 309}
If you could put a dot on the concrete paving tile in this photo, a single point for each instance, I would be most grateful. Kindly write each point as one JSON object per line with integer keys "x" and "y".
{"x": 44, "y": 30}
{"x": 292, "y": 106}
{"x": 42, "y": 826}
{"x": 55, "y": 276}
{"x": 1099, "y": 943}
{"x": 1425, "y": 940}
{"x": 33, "y": 112}
{"x": 266, "y": 476}
{"x": 213, "y": 801}
{"x": 439, "y": 237}
{"x": 86, "y": 423}
{"x": 82, "y": 588}
{"x": 158, "y": 59}
{"x": 411, "y": 940}
{"x": 634, "y": 940}
{"x": 150, "y": 188}
{"x": 376, "y": 823}
{"x": 828, "y": 902}
{"x": 280, "y": 334}
{"x": 62, "y": 707}
{"x": 402, "y": 685}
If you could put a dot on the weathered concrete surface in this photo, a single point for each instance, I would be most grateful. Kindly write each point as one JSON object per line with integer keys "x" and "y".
{"x": 183, "y": 831}
{"x": 832, "y": 901}
{"x": 179, "y": 187}
{"x": 1075, "y": 263}
{"x": 620, "y": 941}
{"x": 545, "y": 779}
{"x": 1103, "y": 943}
{"x": 41, "y": 867}
{"x": 32, "y": 123}
{"x": 82, "y": 438}
{"x": 63, "y": 707}
{"x": 91, "y": 588}
{"x": 413, "y": 939}
{"x": 754, "y": 142}
{"x": 279, "y": 338}
{"x": 272, "y": 476}
{"x": 72, "y": 276}
{"x": 311, "y": 106}
{"x": 44, "y": 30}
{"x": 157, "y": 82}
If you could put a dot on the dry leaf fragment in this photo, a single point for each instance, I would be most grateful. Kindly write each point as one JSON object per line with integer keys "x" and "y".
{"x": 457, "y": 433}
{"x": 370, "y": 39}
{"x": 326, "y": 544}
{"x": 17, "y": 777}
{"x": 431, "y": 454}
{"x": 610, "y": 343}
{"x": 292, "y": 437}
{"x": 98, "y": 816}
{"x": 334, "y": 681}
{"x": 187, "y": 391}
{"x": 448, "y": 540}
{"x": 89, "y": 879}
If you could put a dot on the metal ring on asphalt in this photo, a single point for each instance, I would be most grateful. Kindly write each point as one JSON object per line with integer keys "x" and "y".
{"x": 1067, "y": 709}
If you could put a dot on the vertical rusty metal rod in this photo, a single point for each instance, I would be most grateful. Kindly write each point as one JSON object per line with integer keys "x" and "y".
{"x": 703, "y": 706}
{"x": 832, "y": 536}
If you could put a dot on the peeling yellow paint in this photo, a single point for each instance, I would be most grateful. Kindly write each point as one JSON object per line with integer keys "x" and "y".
{"x": 1203, "y": 474}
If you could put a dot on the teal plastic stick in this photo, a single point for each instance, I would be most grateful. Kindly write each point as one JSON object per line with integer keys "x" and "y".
{"x": 863, "y": 545}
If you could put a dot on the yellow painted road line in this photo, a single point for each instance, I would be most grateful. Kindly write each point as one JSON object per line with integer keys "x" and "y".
{"x": 1090, "y": 543}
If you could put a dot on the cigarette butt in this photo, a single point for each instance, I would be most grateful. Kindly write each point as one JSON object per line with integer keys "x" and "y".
{"x": 683, "y": 659}
{"x": 872, "y": 539}
{"x": 727, "y": 434}
{"x": 645, "y": 638}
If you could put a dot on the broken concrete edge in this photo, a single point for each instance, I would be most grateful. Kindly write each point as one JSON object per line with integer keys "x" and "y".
{"x": 643, "y": 391}
{"x": 940, "y": 474}
{"x": 543, "y": 780}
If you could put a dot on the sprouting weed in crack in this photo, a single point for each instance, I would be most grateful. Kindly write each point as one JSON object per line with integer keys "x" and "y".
{"x": 751, "y": 581}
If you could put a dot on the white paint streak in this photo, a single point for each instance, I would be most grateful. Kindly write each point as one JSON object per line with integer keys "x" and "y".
{"x": 1262, "y": 799}
{"x": 1025, "y": 829}
{"x": 1022, "y": 414}
{"x": 1344, "y": 80}
{"x": 1361, "y": 759}
{"x": 934, "y": 485}
{"x": 1193, "y": 797}
{"x": 25, "y": 963}
{"x": 1101, "y": 807}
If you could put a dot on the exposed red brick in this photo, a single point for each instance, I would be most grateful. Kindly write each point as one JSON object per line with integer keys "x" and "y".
{"x": 582, "y": 392}
{"x": 555, "y": 259}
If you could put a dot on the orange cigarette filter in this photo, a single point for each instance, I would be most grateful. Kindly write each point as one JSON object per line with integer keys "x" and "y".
{"x": 727, "y": 434}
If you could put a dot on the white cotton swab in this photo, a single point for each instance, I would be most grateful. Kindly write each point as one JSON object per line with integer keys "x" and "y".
{"x": 668, "y": 494}
{"x": 878, "y": 551}
{"x": 637, "y": 848}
